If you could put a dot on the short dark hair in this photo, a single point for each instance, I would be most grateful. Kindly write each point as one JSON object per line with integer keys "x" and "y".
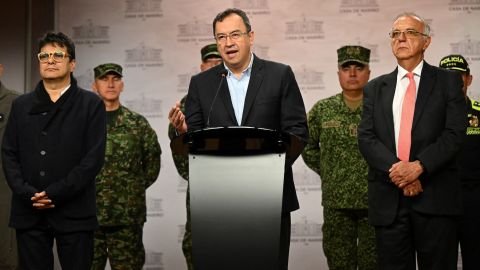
{"x": 59, "y": 39}
{"x": 222, "y": 15}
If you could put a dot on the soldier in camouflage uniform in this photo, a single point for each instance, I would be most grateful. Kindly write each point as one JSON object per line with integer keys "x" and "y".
{"x": 332, "y": 152}
{"x": 210, "y": 58}
{"x": 8, "y": 244}
{"x": 469, "y": 165}
{"x": 132, "y": 164}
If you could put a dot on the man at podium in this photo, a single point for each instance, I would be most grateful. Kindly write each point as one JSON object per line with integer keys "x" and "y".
{"x": 246, "y": 91}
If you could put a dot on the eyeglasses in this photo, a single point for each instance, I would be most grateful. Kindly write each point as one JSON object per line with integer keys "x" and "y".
{"x": 235, "y": 35}
{"x": 409, "y": 33}
{"x": 57, "y": 56}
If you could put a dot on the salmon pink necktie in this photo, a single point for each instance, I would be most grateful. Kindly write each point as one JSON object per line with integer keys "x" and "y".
{"x": 408, "y": 107}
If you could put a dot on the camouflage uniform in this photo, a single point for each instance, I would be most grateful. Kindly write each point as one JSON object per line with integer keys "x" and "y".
{"x": 8, "y": 244}
{"x": 332, "y": 152}
{"x": 132, "y": 164}
{"x": 181, "y": 163}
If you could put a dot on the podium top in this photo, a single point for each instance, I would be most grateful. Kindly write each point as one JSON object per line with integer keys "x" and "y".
{"x": 236, "y": 141}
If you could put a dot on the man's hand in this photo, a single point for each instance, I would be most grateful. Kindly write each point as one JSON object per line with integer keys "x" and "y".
{"x": 177, "y": 118}
{"x": 403, "y": 173}
{"x": 413, "y": 189}
{"x": 41, "y": 201}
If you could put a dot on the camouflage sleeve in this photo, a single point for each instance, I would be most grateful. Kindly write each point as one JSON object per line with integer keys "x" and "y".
{"x": 181, "y": 162}
{"x": 151, "y": 156}
{"x": 311, "y": 152}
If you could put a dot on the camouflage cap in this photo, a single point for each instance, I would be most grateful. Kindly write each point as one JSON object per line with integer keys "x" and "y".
{"x": 104, "y": 69}
{"x": 455, "y": 62}
{"x": 353, "y": 53}
{"x": 209, "y": 50}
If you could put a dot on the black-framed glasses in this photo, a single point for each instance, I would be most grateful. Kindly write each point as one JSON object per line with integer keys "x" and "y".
{"x": 58, "y": 56}
{"x": 409, "y": 33}
{"x": 235, "y": 35}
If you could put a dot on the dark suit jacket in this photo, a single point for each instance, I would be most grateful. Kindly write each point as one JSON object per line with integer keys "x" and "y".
{"x": 57, "y": 147}
{"x": 273, "y": 101}
{"x": 437, "y": 133}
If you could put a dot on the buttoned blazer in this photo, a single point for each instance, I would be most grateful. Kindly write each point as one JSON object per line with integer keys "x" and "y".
{"x": 273, "y": 101}
{"x": 59, "y": 149}
{"x": 437, "y": 133}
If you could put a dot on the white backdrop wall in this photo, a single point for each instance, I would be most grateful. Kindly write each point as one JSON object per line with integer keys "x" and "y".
{"x": 158, "y": 43}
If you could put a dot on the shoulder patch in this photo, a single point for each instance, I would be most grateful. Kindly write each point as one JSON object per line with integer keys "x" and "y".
{"x": 475, "y": 105}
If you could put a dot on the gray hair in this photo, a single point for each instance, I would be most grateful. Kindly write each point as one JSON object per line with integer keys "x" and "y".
{"x": 426, "y": 26}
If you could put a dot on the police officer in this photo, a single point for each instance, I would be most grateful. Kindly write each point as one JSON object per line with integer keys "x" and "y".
{"x": 132, "y": 164}
{"x": 210, "y": 58}
{"x": 332, "y": 152}
{"x": 469, "y": 165}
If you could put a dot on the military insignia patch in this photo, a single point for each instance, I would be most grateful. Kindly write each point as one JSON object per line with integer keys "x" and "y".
{"x": 473, "y": 121}
{"x": 331, "y": 124}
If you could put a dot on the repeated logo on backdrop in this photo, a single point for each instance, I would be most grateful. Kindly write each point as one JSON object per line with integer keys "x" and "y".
{"x": 146, "y": 105}
{"x": 306, "y": 181}
{"x": 359, "y": 7}
{"x": 153, "y": 260}
{"x": 196, "y": 31}
{"x": 181, "y": 232}
{"x": 184, "y": 79}
{"x": 253, "y": 7}
{"x": 143, "y": 56}
{"x": 154, "y": 207}
{"x": 309, "y": 79}
{"x": 304, "y": 29}
{"x": 467, "y": 47}
{"x": 182, "y": 185}
{"x": 143, "y": 9}
{"x": 306, "y": 232}
{"x": 470, "y": 49}
{"x": 468, "y": 6}
{"x": 91, "y": 34}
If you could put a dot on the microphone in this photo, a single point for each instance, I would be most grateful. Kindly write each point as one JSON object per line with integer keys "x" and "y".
{"x": 223, "y": 72}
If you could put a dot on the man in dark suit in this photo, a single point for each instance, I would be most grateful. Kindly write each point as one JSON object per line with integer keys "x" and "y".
{"x": 253, "y": 92}
{"x": 53, "y": 148}
{"x": 410, "y": 140}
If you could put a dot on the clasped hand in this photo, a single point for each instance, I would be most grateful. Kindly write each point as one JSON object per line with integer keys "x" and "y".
{"x": 405, "y": 175}
{"x": 41, "y": 201}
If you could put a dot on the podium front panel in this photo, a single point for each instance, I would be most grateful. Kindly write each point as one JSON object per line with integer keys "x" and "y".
{"x": 236, "y": 204}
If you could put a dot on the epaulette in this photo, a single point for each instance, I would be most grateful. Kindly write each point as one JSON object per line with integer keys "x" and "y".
{"x": 475, "y": 105}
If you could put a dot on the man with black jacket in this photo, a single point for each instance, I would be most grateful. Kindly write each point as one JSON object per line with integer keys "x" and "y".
{"x": 53, "y": 148}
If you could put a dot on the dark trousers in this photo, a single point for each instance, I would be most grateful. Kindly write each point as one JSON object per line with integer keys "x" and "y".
{"x": 285, "y": 231}
{"x": 35, "y": 249}
{"x": 430, "y": 239}
{"x": 469, "y": 232}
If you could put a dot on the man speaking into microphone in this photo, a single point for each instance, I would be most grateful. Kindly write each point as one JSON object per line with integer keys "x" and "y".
{"x": 252, "y": 92}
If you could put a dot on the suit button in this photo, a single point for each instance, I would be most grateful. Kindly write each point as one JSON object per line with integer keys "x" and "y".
{"x": 44, "y": 113}
{"x": 43, "y": 152}
{"x": 42, "y": 173}
{"x": 44, "y": 133}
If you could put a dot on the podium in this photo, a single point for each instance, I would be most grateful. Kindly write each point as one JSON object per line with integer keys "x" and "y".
{"x": 236, "y": 187}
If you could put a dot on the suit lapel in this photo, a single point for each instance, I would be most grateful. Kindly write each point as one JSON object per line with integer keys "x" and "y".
{"x": 387, "y": 93}
{"x": 224, "y": 95}
{"x": 256, "y": 78}
{"x": 427, "y": 82}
